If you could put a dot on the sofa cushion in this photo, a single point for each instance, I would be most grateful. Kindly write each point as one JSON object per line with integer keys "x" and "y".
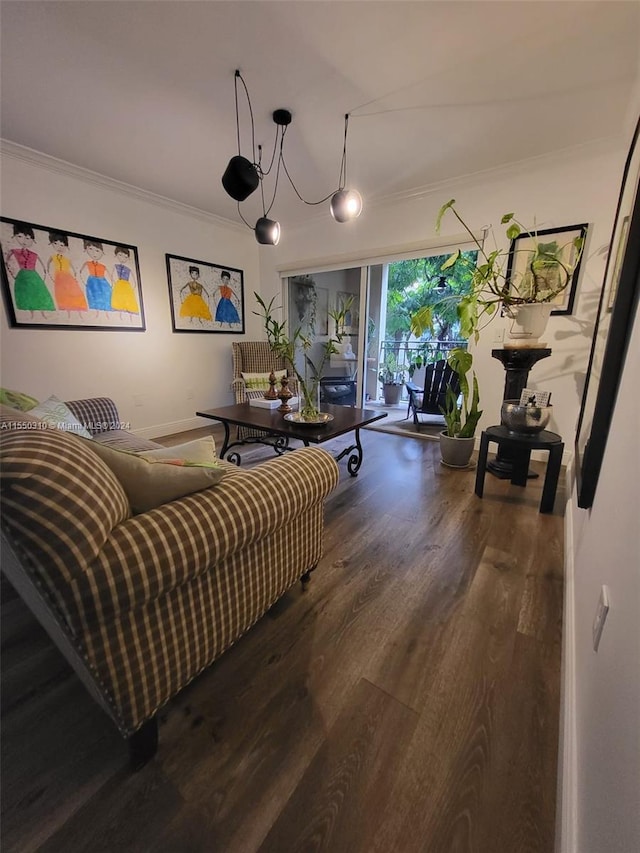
{"x": 151, "y": 483}
{"x": 18, "y": 419}
{"x": 17, "y": 400}
{"x": 59, "y": 501}
{"x": 58, "y": 415}
{"x": 122, "y": 439}
{"x": 199, "y": 450}
{"x": 97, "y": 414}
{"x": 260, "y": 381}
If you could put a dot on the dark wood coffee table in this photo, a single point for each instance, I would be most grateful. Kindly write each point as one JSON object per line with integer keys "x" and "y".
{"x": 279, "y": 432}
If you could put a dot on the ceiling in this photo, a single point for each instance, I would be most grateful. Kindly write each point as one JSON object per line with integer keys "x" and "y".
{"x": 143, "y": 92}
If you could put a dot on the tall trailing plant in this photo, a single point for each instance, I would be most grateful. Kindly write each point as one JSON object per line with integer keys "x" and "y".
{"x": 547, "y": 274}
{"x": 462, "y": 419}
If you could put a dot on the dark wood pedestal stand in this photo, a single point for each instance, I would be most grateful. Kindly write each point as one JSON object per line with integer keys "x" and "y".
{"x": 517, "y": 364}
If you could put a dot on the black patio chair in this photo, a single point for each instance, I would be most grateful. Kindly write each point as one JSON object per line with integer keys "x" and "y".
{"x": 427, "y": 401}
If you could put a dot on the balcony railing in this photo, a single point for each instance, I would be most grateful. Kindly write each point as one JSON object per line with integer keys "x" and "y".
{"x": 407, "y": 352}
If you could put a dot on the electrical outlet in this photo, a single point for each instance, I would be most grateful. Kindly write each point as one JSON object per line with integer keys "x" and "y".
{"x": 498, "y": 336}
{"x": 601, "y": 614}
{"x": 190, "y": 394}
{"x": 138, "y": 400}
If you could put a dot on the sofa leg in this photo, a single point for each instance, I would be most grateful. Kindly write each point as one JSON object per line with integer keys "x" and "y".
{"x": 143, "y": 744}
{"x": 306, "y": 577}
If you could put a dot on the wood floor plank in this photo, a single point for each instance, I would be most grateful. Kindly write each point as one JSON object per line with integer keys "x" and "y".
{"x": 407, "y": 701}
{"x": 348, "y": 782}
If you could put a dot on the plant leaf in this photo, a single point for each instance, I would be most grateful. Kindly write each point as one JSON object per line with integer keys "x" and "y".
{"x": 451, "y": 260}
{"x": 442, "y": 212}
{"x": 513, "y": 231}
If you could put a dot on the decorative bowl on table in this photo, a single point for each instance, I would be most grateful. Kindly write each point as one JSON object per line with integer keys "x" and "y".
{"x": 524, "y": 419}
{"x": 298, "y": 418}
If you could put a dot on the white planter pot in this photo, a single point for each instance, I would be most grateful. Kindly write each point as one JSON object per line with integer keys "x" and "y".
{"x": 392, "y": 394}
{"x": 528, "y": 321}
{"x": 456, "y": 452}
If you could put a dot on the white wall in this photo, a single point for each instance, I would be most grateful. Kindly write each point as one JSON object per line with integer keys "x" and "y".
{"x": 173, "y": 374}
{"x": 578, "y": 186}
{"x": 605, "y": 766}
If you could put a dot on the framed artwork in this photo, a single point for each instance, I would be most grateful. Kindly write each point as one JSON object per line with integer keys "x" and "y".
{"x": 55, "y": 279}
{"x": 521, "y": 252}
{"x": 614, "y": 322}
{"x": 205, "y": 297}
{"x": 617, "y": 265}
{"x": 303, "y": 304}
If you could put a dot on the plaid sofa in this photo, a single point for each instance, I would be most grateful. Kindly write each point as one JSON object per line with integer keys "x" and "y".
{"x": 140, "y": 604}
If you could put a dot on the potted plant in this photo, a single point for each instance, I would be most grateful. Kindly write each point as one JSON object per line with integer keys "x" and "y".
{"x": 287, "y": 347}
{"x": 461, "y": 418}
{"x": 392, "y": 379}
{"x": 547, "y": 273}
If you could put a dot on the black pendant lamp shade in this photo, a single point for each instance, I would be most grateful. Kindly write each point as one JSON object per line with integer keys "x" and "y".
{"x": 240, "y": 178}
{"x": 267, "y": 231}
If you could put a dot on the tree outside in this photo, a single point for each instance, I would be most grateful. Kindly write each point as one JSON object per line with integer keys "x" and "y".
{"x": 419, "y": 282}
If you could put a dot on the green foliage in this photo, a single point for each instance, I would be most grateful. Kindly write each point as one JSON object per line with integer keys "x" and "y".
{"x": 389, "y": 373}
{"x": 546, "y": 275}
{"x": 416, "y": 284}
{"x": 462, "y": 420}
{"x": 286, "y": 347}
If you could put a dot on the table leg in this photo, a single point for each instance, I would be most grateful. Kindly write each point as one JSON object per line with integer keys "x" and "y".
{"x": 355, "y": 460}
{"x": 225, "y": 443}
{"x": 482, "y": 464}
{"x": 551, "y": 478}
{"x": 520, "y": 470}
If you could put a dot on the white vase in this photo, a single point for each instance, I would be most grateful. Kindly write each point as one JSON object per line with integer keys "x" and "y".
{"x": 528, "y": 322}
{"x": 456, "y": 452}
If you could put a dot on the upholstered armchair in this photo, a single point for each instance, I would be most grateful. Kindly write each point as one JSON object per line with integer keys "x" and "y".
{"x": 254, "y": 357}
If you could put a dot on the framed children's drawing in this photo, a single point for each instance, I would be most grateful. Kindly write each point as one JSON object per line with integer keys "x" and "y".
{"x": 53, "y": 278}
{"x": 205, "y": 297}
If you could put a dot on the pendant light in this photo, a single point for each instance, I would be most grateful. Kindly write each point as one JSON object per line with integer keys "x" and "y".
{"x": 243, "y": 176}
{"x": 267, "y": 231}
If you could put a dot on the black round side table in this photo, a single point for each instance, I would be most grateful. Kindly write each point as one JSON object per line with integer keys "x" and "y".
{"x": 519, "y": 446}
{"x": 517, "y": 362}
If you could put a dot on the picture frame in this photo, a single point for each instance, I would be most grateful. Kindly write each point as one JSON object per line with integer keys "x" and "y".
{"x": 303, "y": 305}
{"x": 519, "y": 255}
{"x": 205, "y": 297}
{"x": 614, "y": 323}
{"x": 53, "y": 278}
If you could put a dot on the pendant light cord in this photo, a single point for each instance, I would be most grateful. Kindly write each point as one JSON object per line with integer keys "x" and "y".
{"x": 278, "y": 149}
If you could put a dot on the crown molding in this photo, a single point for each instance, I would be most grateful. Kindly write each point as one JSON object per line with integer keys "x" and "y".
{"x": 604, "y": 144}
{"x": 63, "y": 167}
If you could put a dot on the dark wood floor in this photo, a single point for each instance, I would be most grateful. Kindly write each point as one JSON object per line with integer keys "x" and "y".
{"x": 407, "y": 701}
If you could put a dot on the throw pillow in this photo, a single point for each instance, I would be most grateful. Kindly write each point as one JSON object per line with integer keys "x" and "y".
{"x": 17, "y": 400}
{"x": 200, "y": 450}
{"x": 260, "y": 381}
{"x": 59, "y": 416}
{"x": 151, "y": 483}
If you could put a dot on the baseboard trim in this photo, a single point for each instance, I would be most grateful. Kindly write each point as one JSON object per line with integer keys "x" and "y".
{"x": 566, "y": 801}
